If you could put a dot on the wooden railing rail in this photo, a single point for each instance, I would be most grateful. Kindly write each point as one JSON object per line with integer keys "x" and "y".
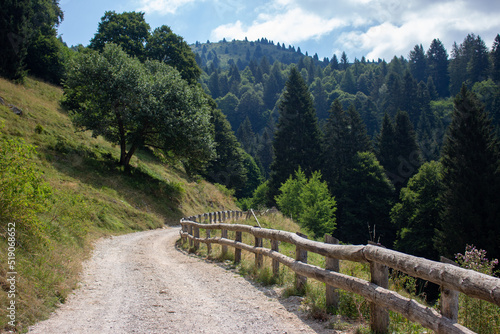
{"x": 449, "y": 276}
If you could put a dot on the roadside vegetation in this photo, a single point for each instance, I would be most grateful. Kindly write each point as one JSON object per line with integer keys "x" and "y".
{"x": 64, "y": 189}
{"x": 353, "y": 313}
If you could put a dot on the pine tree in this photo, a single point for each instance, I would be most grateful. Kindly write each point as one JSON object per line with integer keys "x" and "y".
{"x": 495, "y": 59}
{"x": 387, "y": 149}
{"x": 364, "y": 200}
{"x": 344, "y": 61}
{"x": 418, "y": 63}
{"x": 336, "y": 145}
{"x": 246, "y": 137}
{"x": 297, "y": 139}
{"x": 15, "y": 20}
{"x": 408, "y": 152}
{"x": 437, "y": 67}
{"x": 228, "y": 168}
{"x": 470, "y": 158}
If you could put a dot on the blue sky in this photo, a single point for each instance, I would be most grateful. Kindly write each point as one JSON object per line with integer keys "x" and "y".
{"x": 371, "y": 28}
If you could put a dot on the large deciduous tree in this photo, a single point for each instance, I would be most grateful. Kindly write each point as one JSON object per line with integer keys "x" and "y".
{"x": 163, "y": 45}
{"x": 128, "y": 30}
{"x": 470, "y": 158}
{"x": 136, "y": 104}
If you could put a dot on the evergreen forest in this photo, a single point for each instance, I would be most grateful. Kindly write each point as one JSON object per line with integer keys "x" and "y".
{"x": 402, "y": 151}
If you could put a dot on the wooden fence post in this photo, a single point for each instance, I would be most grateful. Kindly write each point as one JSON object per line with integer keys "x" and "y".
{"x": 223, "y": 234}
{"x": 300, "y": 255}
{"x": 259, "y": 258}
{"x": 332, "y": 296}
{"x": 449, "y": 298}
{"x": 379, "y": 316}
{"x": 196, "y": 234}
{"x": 209, "y": 245}
{"x": 237, "y": 251}
{"x": 183, "y": 229}
{"x": 275, "y": 246}
{"x": 190, "y": 232}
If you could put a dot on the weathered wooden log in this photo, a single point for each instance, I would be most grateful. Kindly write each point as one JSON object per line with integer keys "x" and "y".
{"x": 209, "y": 246}
{"x": 196, "y": 235}
{"x": 469, "y": 282}
{"x": 224, "y": 247}
{"x": 341, "y": 252}
{"x": 275, "y": 246}
{"x": 237, "y": 251}
{"x": 379, "y": 316}
{"x": 409, "y": 308}
{"x": 259, "y": 258}
{"x": 449, "y": 298}
{"x": 331, "y": 293}
{"x": 300, "y": 255}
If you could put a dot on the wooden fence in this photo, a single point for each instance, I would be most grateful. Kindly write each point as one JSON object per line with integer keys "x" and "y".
{"x": 451, "y": 278}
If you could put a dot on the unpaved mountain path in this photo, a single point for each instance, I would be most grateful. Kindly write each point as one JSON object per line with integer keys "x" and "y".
{"x": 140, "y": 283}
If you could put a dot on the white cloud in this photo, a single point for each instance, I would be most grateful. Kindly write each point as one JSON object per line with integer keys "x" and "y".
{"x": 291, "y": 26}
{"x": 449, "y": 21}
{"x": 162, "y": 7}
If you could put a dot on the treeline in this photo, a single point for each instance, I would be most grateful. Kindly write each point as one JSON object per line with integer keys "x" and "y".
{"x": 376, "y": 132}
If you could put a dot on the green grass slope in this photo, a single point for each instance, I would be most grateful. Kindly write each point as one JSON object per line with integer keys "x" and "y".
{"x": 91, "y": 197}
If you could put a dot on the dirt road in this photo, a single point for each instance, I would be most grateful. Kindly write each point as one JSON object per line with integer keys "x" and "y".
{"x": 140, "y": 283}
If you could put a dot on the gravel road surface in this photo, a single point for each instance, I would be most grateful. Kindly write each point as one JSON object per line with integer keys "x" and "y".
{"x": 140, "y": 283}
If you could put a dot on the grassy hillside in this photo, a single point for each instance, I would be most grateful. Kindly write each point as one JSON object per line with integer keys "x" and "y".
{"x": 91, "y": 196}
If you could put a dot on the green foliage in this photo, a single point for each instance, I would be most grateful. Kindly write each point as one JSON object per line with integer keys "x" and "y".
{"x": 128, "y": 30}
{"x": 259, "y": 198}
{"x": 137, "y": 105}
{"x": 416, "y": 216}
{"x": 478, "y": 315}
{"x": 309, "y": 202}
{"x": 46, "y": 57}
{"x": 228, "y": 168}
{"x": 164, "y": 45}
{"x": 471, "y": 180}
{"x": 29, "y": 40}
{"x": 23, "y": 192}
{"x": 297, "y": 138}
{"x": 365, "y": 197}
{"x": 288, "y": 200}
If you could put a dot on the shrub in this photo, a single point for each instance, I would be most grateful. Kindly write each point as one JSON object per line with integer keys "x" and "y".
{"x": 478, "y": 315}
{"x": 23, "y": 192}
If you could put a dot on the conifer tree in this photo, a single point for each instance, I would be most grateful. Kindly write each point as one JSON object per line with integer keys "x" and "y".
{"x": 495, "y": 59}
{"x": 246, "y": 137}
{"x": 398, "y": 150}
{"x": 365, "y": 198}
{"x": 336, "y": 153}
{"x": 470, "y": 158}
{"x": 386, "y": 152}
{"x": 228, "y": 168}
{"x": 437, "y": 67}
{"x": 408, "y": 152}
{"x": 297, "y": 139}
{"x": 418, "y": 63}
{"x": 15, "y": 20}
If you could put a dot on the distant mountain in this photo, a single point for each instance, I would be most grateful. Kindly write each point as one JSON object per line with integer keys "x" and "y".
{"x": 242, "y": 52}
